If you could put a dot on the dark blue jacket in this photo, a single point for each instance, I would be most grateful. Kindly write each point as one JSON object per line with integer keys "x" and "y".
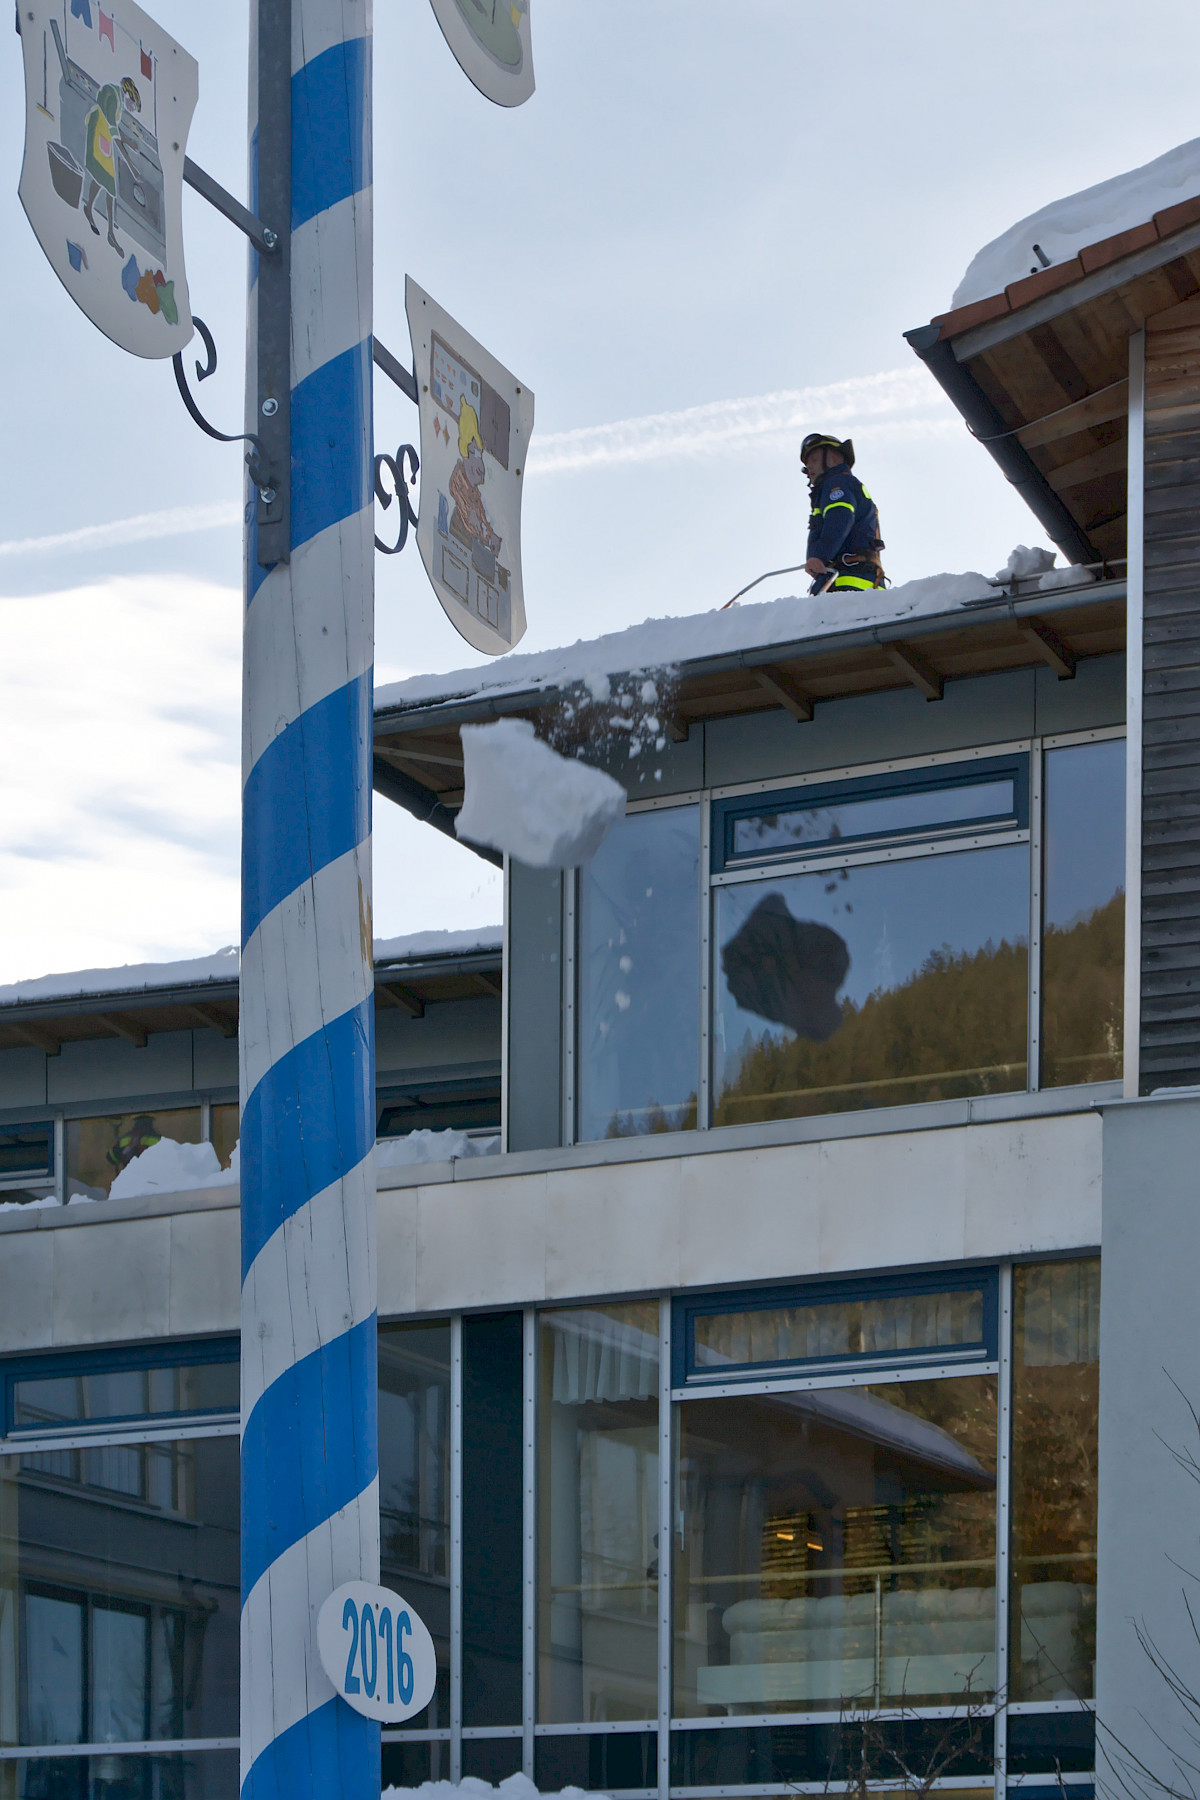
{"x": 844, "y": 517}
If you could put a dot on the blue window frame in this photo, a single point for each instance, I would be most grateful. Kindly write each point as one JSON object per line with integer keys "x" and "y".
{"x": 949, "y": 800}
{"x": 119, "y": 1388}
{"x": 900, "y": 1322}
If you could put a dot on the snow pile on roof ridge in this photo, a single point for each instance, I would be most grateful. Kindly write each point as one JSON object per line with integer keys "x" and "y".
{"x": 1066, "y": 226}
{"x": 223, "y": 965}
{"x": 664, "y": 643}
{"x": 432, "y": 1147}
{"x": 522, "y": 797}
{"x": 438, "y": 943}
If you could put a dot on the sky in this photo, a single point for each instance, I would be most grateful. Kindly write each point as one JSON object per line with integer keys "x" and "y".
{"x": 703, "y": 235}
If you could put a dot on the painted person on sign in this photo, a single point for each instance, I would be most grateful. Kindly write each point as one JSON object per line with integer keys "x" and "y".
{"x": 843, "y": 529}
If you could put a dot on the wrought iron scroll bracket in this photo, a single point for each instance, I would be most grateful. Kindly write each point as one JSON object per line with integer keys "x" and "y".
{"x": 401, "y": 482}
{"x": 203, "y": 371}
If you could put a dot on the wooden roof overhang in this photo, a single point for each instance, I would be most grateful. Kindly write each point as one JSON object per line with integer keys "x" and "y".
{"x": 1040, "y": 374}
{"x": 134, "y": 1015}
{"x": 418, "y": 754}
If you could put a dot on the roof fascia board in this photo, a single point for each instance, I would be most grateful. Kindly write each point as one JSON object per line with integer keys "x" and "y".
{"x": 391, "y": 721}
{"x": 1089, "y": 287}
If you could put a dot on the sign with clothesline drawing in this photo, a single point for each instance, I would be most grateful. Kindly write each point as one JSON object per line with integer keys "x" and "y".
{"x": 476, "y": 422}
{"x": 490, "y": 41}
{"x": 109, "y": 98}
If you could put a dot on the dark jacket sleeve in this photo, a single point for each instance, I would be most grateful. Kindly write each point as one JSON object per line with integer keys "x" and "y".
{"x": 835, "y": 506}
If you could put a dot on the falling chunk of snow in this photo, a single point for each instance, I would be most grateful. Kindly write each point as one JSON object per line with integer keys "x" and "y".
{"x": 625, "y": 964}
{"x": 624, "y": 1001}
{"x": 649, "y": 692}
{"x": 658, "y": 772}
{"x": 169, "y": 1167}
{"x": 598, "y": 685}
{"x": 1025, "y": 562}
{"x": 431, "y": 1147}
{"x": 1067, "y": 226}
{"x": 523, "y": 798}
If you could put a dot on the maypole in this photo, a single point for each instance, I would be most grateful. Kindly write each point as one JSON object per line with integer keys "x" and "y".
{"x": 310, "y": 1514}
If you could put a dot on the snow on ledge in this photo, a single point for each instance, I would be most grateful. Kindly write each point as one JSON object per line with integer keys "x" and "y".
{"x": 1067, "y": 226}
{"x": 664, "y": 643}
{"x": 516, "y": 1787}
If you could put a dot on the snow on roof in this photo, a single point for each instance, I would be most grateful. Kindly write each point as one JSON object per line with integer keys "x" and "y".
{"x": 664, "y": 643}
{"x": 224, "y": 965}
{"x": 1067, "y": 226}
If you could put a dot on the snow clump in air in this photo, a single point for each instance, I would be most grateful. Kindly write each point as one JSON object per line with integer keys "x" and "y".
{"x": 522, "y": 797}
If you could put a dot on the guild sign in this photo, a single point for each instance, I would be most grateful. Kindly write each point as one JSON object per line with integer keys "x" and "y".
{"x": 109, "y": 98}
{"x": 490, "y": 41}
{"x": 476, "y": 422}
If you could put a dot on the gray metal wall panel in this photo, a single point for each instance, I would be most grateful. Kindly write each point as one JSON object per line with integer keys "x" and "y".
{"x": 1149, "y": 1508}
{"x": 1095, "y": 696}
{"x": 215, "y": 1059}
{"x": 22, "y": 1078}
{"x": 535, "y": 978}
{"x": 1170, "y": 972}
{"x": 110, "y": 1069}
{"x": 455, "y": 1031}
{"x": 987, "y": 709}
{"x": 681, "y": 766}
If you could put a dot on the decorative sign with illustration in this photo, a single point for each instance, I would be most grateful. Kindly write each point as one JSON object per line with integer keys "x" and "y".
{"x": 109, "y": 98}
{"x": 490, "y": 40}
{"x": 476, "y": 422}
{"x": 377, "y": 1652}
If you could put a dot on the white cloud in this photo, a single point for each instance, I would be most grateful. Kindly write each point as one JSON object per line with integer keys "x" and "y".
{"x": 119, "y": 761}
{"x": 762, "y": 421}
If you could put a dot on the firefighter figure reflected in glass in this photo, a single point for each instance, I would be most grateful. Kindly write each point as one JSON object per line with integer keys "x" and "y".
{"x": 843, "y": 528}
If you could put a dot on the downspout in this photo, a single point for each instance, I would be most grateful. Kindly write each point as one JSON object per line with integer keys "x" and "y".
{"x": 1007, "y": 451}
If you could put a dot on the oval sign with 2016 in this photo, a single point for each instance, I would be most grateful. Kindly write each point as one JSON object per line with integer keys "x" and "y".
{"x": 377, "y": 1652}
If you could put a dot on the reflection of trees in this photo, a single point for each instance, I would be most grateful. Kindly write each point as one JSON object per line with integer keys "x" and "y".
{"x": 956, "y": 1027}
{"x": 650, "y": 1121}
{"x": 1083, "y": 973}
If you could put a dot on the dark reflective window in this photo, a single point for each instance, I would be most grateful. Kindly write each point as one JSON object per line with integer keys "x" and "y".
{"x": 639, "y": 983}
{"x": 119, "y": 1594}
{"x": 50, "y": 1402}
{"x": 190, "y": 1775}
{"x": 414, "y": 1485}
{"x": 26, "y": 1150}
{"x": 879, "y": 1326}
{"x": 836, "y": 1547}
{"x": 990, "y": 804}
{"x": 1056, "y": 1397}
{"x": 872, "y": 985}
{"x": 1083, "y": 937}
{"x": 492, "y": 1534}
{"x": 598, "y": 1507}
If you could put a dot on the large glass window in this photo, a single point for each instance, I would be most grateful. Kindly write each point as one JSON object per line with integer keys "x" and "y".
{"x": 899, "y": 807}
{"x": 836, "y": 1546}
{"x": 119, "y": 1598}
{"x": 98, "y": 1149}
{"x": 639, "y": 981}
{"x": 1056, "y": 1335}
{"x": 1083, "y": 936}
{"x": 598, "y": 1506}
{"x": 414, "y": 1485}
{"x": 872, "y": 984}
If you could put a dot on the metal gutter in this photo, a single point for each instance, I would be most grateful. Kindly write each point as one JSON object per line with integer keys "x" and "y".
{"x": 462, "y": 709}
{"x": 1007, "y": 451}
{"x": 424, "y": 805}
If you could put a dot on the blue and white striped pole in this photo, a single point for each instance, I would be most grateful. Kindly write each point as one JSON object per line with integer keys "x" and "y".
{"x": 310, "y": 1513}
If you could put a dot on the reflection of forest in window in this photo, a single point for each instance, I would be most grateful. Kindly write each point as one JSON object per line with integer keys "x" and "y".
{"x": 956, "y": 1027}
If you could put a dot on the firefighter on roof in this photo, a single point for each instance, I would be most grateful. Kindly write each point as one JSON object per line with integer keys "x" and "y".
{"x": 843, "y": 530}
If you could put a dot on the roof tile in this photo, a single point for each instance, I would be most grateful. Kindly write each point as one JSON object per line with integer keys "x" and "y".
{"x": 977, "y": 313}
{"x": 1046, "y": 281}
{"x": 1109, "y": 249}
{"x": 1174, "y": 218}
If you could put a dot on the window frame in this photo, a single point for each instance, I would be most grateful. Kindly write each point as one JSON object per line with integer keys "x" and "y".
{"x": 936, "y": 777}
{"x": 130, "y": 1360}
{"x": 690, "y": 1380}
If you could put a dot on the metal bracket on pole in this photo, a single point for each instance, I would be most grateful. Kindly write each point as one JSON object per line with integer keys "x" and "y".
{"x": 395, "y": 370}
{"x": 273, "y": 425}
{"x": 260, "y": 235}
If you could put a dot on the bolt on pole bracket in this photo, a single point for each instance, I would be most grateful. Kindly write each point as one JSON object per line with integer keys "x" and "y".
{"x": 273, "y": 424}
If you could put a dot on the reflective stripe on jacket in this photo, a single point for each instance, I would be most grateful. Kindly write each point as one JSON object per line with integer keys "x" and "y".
{"x": 844, "y": 517}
